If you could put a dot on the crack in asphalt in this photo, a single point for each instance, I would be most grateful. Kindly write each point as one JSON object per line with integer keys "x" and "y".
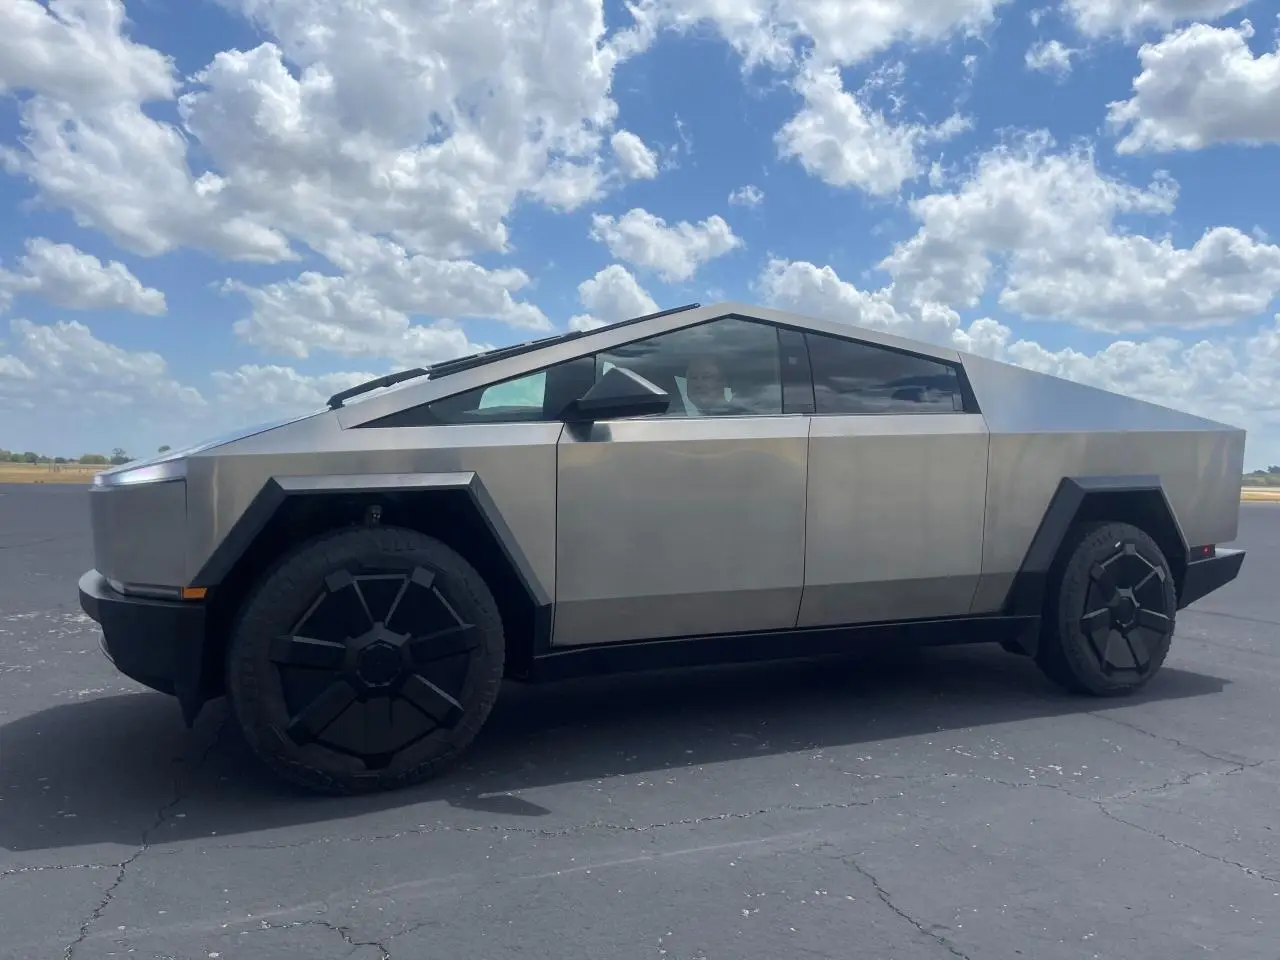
{"x": 1129, "y": 725}
{"x": 928, "y": 930}
{"x": 1101, "y": 804}
{"x": 1182, "y": 780}
{"x": 340, "y": 929}
{"x": 144, "y": 844}
{"x": 1244, "y": 868}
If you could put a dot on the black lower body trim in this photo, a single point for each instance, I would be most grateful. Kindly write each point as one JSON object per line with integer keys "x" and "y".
{"x": 1207, "y": 575}
{"x": 159, "y": 643}
{"x": 775, "y": 645}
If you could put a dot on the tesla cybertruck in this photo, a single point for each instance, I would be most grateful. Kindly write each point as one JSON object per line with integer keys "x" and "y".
{"x": 702, "y": 485}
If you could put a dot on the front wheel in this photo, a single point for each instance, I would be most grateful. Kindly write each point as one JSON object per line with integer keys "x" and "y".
{"x": 1109, "y": 618}
{"x": 366, "y": 659}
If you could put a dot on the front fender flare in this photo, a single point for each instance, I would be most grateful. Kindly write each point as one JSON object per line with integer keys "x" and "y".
{"x": 278, "y": 490}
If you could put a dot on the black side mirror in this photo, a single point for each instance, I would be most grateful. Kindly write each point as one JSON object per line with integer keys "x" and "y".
{"x": 619, "y": 393}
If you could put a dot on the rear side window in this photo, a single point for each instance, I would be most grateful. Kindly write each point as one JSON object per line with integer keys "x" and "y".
{"x": 851, "y": 377}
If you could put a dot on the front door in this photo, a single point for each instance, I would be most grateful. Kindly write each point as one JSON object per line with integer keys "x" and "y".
{"x": 692, "y": 522}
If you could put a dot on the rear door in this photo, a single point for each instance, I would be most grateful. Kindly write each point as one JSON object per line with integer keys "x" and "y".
{"x": 692, "y": 522}
{"x": 896, "y": 487}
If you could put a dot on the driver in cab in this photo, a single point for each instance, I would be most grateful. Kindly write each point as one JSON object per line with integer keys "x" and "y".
{"x": 705, "y": 389}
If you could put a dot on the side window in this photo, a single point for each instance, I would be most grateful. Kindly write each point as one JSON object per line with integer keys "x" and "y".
{"x": 519, "y": 399}
{"x": 850, "y": 377}
{"x": 524, "y": 394}
{"x": 724, "y": 368}
{"x": 535, "y": 397}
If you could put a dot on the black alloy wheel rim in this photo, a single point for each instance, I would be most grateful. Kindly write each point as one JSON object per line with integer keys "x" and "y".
{"x": 1127, "y": 614}
{"x": 377, "y": 662}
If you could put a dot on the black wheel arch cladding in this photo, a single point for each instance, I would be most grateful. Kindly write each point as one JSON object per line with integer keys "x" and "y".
{"x": 457, "y": 509}
{"x": 1138, "y": 500}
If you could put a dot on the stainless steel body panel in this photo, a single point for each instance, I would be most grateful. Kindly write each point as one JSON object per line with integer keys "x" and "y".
{"x": 680, "y": 527}
{"x": 672, "y": 527}
{"x": 1044, "y": 428}
{"x": 516, "y": 462}
{"x": 894, "y": 527}
{"x": 137, "y": 532}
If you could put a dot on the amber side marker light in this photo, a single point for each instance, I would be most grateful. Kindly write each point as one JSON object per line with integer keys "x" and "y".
{"x": 194, "y": 593}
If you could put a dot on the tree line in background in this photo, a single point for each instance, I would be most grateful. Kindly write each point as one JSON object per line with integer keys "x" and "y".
{"x": 117, "y": 457}
{"x": 1269, "y": 477}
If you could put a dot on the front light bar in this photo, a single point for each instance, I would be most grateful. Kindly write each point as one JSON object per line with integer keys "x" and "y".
{"x": 155, "y": 472}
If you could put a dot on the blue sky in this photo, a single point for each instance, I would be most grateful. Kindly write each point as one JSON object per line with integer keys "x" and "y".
{"x": 218, "y": 212}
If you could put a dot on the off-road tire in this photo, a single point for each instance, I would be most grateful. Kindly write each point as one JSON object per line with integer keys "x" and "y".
{"x": 1109, "y": 611}
{"x": 416, "y": 692}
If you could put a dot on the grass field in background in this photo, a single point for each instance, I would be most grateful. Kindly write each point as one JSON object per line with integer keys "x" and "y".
{"x": 48, "y": 473}
{"x": 1260, "y": 493}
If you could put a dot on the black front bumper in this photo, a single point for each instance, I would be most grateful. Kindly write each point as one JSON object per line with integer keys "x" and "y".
{"x": 159, "y": 643}
{"x": 1207, "y": 575}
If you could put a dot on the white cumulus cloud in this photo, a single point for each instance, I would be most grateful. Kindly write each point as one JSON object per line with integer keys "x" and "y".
{"x": 613, "y": 294}
{"x": 1096, "y": 18}
{"x": 839, "y": 140}
{"x": 339, "y": 315}
{"x": 674, "y": 252}
{"x": 636, "y": 161}
{"x": 71, "y": 278}
{"x": 1050, "y": 56}
{"x": 63, "y": 367}
{"x": 429, "y": 129}
{"x": 77, "y": 52}
{"x": 253, "y": 388}
{"x": 831, "y": 31}
{"x": 748, "y": 195}
{"x": 1050, "y": 220}
{"x": 1198, "y": 87}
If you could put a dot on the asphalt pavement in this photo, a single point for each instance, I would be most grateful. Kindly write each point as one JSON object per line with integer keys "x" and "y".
{"x": 944, "y": 803}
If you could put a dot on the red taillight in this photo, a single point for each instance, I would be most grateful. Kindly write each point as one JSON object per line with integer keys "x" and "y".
{"x": 1202, "y": 553}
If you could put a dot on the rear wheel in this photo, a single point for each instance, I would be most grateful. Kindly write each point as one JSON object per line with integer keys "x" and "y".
{"x": 366, "y": 659}
{"x": 1109, "y": 618}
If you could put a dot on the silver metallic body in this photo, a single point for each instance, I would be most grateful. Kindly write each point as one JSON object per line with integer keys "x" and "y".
{"x": 894, "y": 517}
{"x": 680, "y": 527}
{"x": 664, "y": 527}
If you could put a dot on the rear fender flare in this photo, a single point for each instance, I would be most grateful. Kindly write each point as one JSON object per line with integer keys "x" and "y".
{"x": 1075, "y": 499}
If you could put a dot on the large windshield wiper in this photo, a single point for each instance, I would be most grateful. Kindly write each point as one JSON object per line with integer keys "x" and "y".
{"x": 390, "y": 379}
